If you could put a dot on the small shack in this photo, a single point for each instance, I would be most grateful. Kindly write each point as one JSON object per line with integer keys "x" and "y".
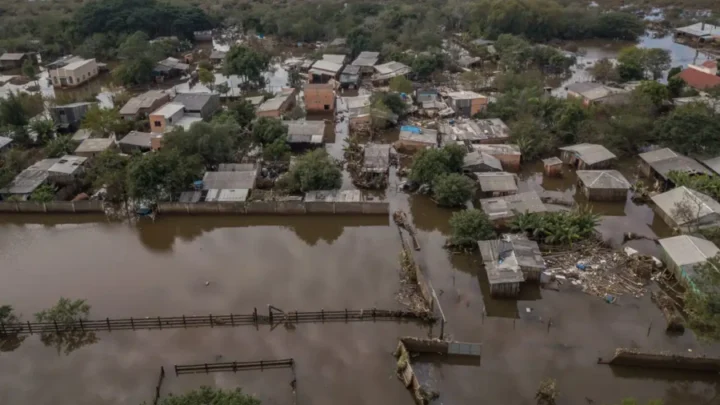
{"x": 366, "y": 61}
{"x": 687, "y": 209}
{"x": 603, "y": 185}
{"x": 683, "y": 253}
{"x": 414, "y": 138}
{"x": 376, "y": 158}
{"x": 509, "y": 155}
{"x": 478, "y": 162}
{"x": 500, "y": 209}
{"x": 92, "y": 147}
{"x": 305, "y": 133}
{"x": 552, "y": 166}
{"x": 659, "y": 163}
{"x": 496, "y": 184}
{"x": 503, "y": 271}
{"x": 136, "y": 141}
{"x": 587, "y": 156}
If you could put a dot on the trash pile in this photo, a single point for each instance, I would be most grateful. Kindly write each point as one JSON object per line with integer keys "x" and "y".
{"x": 602, "y": 272}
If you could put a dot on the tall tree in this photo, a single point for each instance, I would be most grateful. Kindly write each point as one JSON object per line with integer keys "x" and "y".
{"x": 692, "y": 129}
{"x": 103, "y": 121}
{"x": 247, "y": 63}
{"x": 162, "y": 176}
{"x": 108, "y": 170}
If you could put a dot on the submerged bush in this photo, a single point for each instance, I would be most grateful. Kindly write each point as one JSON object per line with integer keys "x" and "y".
{"x": 557, "y": 228}
{"x": 469, "y": 226}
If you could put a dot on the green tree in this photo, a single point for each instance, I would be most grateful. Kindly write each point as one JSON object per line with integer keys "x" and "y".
{"x": 702, "y": 300}
{"x": 675, "y": 86}
{"x": 65, "y": 314}
{"x": 213, "y": 143}
{"x": 467, "y": 227}
{"x": 162, "y": 176}
{"x": 452, "y": 190}
{"x": 247, "y": 63}
{"x": 44, "y": 193}
{"x": 62, "y": 145}
{"x": 266, "y": 130}
{"x": 393, "y": 101}
{"x": 655, "y": 92}
{"x": 657, "y": 61}
{"x": 277, "y": 150}
{"x": 243, "y": 112}
{"x": 315, "y": 170}
{"x": 109, "y": 170}
{"x": 138, "y": 60}
{"x": 632, "y": 63}
{"x": 532, "y": 137}
{"x": 401, "y": 84}
{"x": 211, "y": 396}
{"x": 454, "y": 157}
{"x": 29, "y": 70}
{"x": 44, "y": 129}
{"x": 691, "y": 129}
{"x": 206, "y": 77}
{"x": 604, "y": 71}
{"x": 7, "y": 315}
{"x": 428, "y": 164}
{"x": 103, "y": 121}
{"x": 12, "y": 111}
{"x": 358, "y": 40}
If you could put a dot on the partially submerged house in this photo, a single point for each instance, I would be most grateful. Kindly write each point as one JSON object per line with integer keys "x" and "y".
{"x": 68, "y": 117}
{"x": 687, "y": 209}
{"x": 170, "y": 68}
{"x": 603, "y": 185}
{"x": 376, "y": 158}
{"x": 659, "y": 163}
{"x": 412, "y": 137}
{"x": 232, "y": 186}
{"x": 277, "y": 105}
{"x": 350, "y": 77}
{"x": 334, "y": 58}
{"x": 25, "y": 183}
{"x": 72, "y": 71}
{"x": 510, "y": 261}
{"x": 478, "y": 162}
{"x": 136, "y": 141}
{"x": 92, "y": 147}
{"x": 509, "y": 155}
{"x": 597, "y": 93}
{"x": 701, "y": 78}
{"x": 202, "y": 105}
{"x": 496, "y": 184}
{"x": 699, "y": 32}
{"x": 366, "y": 61}
{"x": 506, "y": 207}
{"x": 487, "y": 131}
{"x": 319, "y": 97}
{"x": 467, "y": 103}
{"x": 552, "y": 166}
{"x": 387, "y": 71}
{"x": 143, "y": 104}
{"x": 169, "y": 116}
{"x": 13, "y": 60}
{"x": 586, "y": 156}
{"x": 217, "y": 57}
{"x": 322, "y": 71}
{"x": 67, "y": 169}
{"x": 683, "y": 253}
{"x": 307, "y": 133}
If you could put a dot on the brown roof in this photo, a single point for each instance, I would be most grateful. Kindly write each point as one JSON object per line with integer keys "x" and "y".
{"x": 710, "y": 64}
{"x": 698, "y": 79}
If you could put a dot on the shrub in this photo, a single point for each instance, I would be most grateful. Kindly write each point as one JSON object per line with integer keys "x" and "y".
{"x": 469, "y": 226}
{"x": 452, "y": 190}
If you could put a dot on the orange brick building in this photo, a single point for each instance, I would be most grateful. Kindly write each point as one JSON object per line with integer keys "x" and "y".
{"x": 319, "y": 97}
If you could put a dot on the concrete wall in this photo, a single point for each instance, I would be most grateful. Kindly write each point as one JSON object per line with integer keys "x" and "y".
{"x": 418, "y": 345}
{"x": 276, "y": 207}
{"x": 53, "y": 206}
{"x": 629, "y": 357}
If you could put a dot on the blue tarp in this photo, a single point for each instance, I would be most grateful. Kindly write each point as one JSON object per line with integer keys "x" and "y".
{"x": 410, "y": 128}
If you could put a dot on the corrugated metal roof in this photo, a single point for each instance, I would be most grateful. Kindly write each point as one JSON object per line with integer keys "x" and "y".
{"x": 497, "y": 182}
{"x": 590, "y": 153}
{"x": 500, "y": 262}
{"x": 702, "y": 205}
{"x": 377, "y": 158}
{"x": 94, "y": 145}
{"x": 658, "y": 155}
{"x": 506, "y": 206}
{"x": 665, "y": 160}
{"x": 229, "y": 180}
{"x": 326, "y": 66}
{"x": 474, "y": 161}
{"x": 603, "y": 179}
{"x": 368, "y": 59}
{"x": 713, "y": 164}
{"x": 686, "y": 251}
{"x": 305, "y": 131}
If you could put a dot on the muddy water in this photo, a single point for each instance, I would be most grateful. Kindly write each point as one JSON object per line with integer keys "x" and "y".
{"x": 161, "y": 268}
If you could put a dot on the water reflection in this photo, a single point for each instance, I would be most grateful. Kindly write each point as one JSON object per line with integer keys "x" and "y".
{"x": 68, "y": 342}
{"x": 10, "y": 342}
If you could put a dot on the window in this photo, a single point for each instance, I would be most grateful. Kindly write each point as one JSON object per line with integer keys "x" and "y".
{"x": 157, "y": 123}
{"x": 55, "y": 80}
{"x": 69, "y": 79}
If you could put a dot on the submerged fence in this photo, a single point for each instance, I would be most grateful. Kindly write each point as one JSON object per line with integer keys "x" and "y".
{"x": 52, "y": 206}
{"x": 233, "y": 366}
{"x": 274, "y": 318}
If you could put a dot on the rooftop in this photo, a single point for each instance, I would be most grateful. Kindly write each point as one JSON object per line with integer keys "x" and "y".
{"x": 474, "y": 160}
{"x": 190, "y": 196}
{"x": 419, "y": 135}
{"x": 255, "y": 100}
{"x": 390, "y": 70}
{"x": 665, "y": 160}
{"x": 135, "y": 138}
{"x": 507, "y": 206}
{"x": 498, "y": 149}
{"x": 67, "y": 164}
{"x": 29, "y": 179}
{"x": 326, "y": 66}
{"x": 78, "y": 64}
{"x": 64, "y": 61}
{"x": 11, "y": 56}
{"x": 698, "y": 79}
{"x": 305, "y": 131}
{"x": 351, "y": 70}
{"x": 274, "y": 103}
{"x": 552, "y": 161}
{"x": 193, "y": 101}
{"x": 334, "y": 58}
{"x": 590, "y": 153}
{"x": 700, "y": 30}
{"x": 142, "y": 101}
{"x": 702, "y": 205}
{"x": 236, "y": 167}
{"x": 377, "y": 158}
{"x": 594, "y": 91}
{"x": 501, "y": 261}
{"x": 92, "y": 145}
{"x": 229, "y": 180}
{"x": 713, "y": 164}
{"x": 464, "y": 95}
{"x": 334, "y": 196}
{"x": 497, "y": 182}
{"x": 685, "y": 250}
{"x": 174, "y": 63}
{"x": 476, "y": 130}
{"x": 227, "y": 195}
{"x": 367, "y": 59}
{"x": 168, "y": 110}
{"x": 5, "y": 141}
{"x": 603, "y": 179}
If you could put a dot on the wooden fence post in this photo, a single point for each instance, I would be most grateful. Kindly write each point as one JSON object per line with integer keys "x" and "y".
{"x": 211, "y": 321}
{"x": 107, "y": 320}
{"x": 159, "y": 323}
{"x": 30, "y": 328}
{"x": 82, "y": 328}
{"x": 132, "y": 323}
{"x": 322, "y": 314}
{"x": 176, "y": 371}
{"x": 184, "y": 324}
{"x": 206, "y": 369}
{"x": 56, "y": 327}
{"x": 232, "y": 320}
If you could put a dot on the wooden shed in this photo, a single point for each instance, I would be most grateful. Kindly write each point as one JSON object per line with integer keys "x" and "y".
{"x": 509, "y": 155}
{"x": 687, "y": 209}
{"x": 496, "y": 184}
{"x": 603, "y": 185}
{"x": 587, "y": 156}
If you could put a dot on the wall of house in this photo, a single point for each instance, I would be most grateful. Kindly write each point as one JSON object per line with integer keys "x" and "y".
{"x": 74, "y": 77}
{"x": 209, "y": 109}
{"x": 319, "y": 99}
{"x": 600, "y": 194}
{"x": 509, "y": 162}
{"x": 270, "y": 113}
{"x": 505, "y": 290}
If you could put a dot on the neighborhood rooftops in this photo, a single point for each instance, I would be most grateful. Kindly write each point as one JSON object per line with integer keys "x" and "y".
{"x": 700, "y": 30}
{"x": 665, "y": 160}
{"x": 142, "y": 101}
{"x": 29, "y": 179}
{"x": 481, "y": 162}
{"x": 305, "y": 131}
{"x": 507, "y": 206}
{"x": 590, "y": 153}
{"x": 603, "y": 179}
{"x": 698, "y": 79}
{"x": 367, "y": 59}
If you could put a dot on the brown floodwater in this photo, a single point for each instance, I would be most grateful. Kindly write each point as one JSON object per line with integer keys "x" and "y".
{"x": 308, "y": 263}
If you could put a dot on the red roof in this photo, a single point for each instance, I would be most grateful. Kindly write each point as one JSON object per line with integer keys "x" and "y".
{"x": 710, "y": 64}
{"x": 698, "y": 79}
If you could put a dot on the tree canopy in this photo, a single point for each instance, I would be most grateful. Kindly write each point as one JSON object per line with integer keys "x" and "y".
{"x": 692, "y": 129}
{"x": 315, "y": 170}
{"x": 162, "y": 176}
{"x": 247, "y": 63}
{"x": 210, "y": 396}
{"x": 452, "y": 190}
{"x": 469, "y": 226}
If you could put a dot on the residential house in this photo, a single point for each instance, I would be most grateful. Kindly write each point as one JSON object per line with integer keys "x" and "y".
{"x": 510, "y": 261}
{"x": 92, "y": 147}
{"x": 68, "y": 117}
{"x": 467, "y": 103}
{"x": 552, "y": 166}
{"x": 496, "y": 184}
{"x": 376, "y": 158}
{"x": 423, "y": 95}
{"x": 699, "y": 32}
{"x": 350, "y": 77}
{"x": 232, "y": 186}
{"x": 72, "y": 71}
{"x": 143, "y": 104}
{"x": 319, "y": 97}
{"x": 682, "y": 254}
{"x": 701, "y": 78}
{"x": 13, "y": 60}
{"x": 475, "y": 132}
{"x": 659, "y": 163}
{"x": 357, "y": 108}
{"x": 217, "y": 57}
{"x": 170, "y": 68}
{"x": 136, "y": 141}
{"x": 277, "y": 105}
{"x": 255, "y": 101}
{"x": 25, "y": 183}
{"x": 305, "y": 133}
{"x": 335, "y": 58}
{"x": 585, "y": 156}
{"x": 366, "y": 61}
{"x": 83, "y": 134}
{"x": 323, "y": 71}
{"x": 414, "y": 138}
{"x": 202, "y": 105}
{"x": 67, "y": 169}
{"x": 603, "y": 185}
{"x": 501, "y": 209}
{"x": 477, "y": 162}
{"x": 509, "y": 155}
{"x": 687, "y": 209}
{"x": 387, "y": 71}
{"x": 597, "y": 93}
{"x": 169, "y": 116}
{"x": 5, "y": 143}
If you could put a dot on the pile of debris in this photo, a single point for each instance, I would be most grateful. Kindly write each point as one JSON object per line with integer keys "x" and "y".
{"x": 601, "y": 271}
{"x": 409, "y": 293}
{"x": 354, "y": 163}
